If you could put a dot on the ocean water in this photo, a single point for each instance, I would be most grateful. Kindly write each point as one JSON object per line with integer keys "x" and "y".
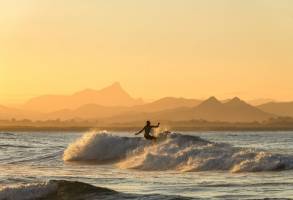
{"x": 117, "y": 165}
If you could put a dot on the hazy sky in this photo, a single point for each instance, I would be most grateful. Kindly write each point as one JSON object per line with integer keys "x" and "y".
{"x": 154, "y": 48}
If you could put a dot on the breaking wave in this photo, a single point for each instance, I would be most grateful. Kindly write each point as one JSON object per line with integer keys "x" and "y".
{"x": 172, "y": 151}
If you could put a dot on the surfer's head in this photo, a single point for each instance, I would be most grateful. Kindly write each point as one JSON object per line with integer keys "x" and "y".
{"x": 148, "y": 123}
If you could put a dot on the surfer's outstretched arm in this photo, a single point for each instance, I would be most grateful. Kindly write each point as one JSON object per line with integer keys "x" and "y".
{"x": 156, "y": 126}
{"x": 140, "y": 131}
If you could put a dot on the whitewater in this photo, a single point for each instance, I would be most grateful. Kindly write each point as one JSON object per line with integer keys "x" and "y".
{"x": 173, "y": 151}
{"x": 119, "y": 165}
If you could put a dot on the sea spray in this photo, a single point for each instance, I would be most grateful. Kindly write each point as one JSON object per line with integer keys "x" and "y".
{"x": 173, "y": 151}
{"x": 102, "y": 147}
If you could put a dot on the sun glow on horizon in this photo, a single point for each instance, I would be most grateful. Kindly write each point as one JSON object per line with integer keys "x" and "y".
{"x": 153, "y": 48}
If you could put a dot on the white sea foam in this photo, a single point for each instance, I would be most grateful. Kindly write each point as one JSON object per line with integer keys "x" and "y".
{"x": 173, "y": 152}
{"x": 102, "y": 147}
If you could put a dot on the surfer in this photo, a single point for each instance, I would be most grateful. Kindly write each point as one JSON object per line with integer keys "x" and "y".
{"x": 147, "y": 130}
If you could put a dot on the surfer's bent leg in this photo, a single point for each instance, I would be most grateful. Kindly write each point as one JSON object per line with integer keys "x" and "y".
{"x": 149, "y": 137}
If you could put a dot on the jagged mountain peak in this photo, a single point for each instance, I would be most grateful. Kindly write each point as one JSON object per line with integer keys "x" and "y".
{"x": 236, "y": 101}
{"x": 211, "y": 100}
{"x": 113, "y": 95}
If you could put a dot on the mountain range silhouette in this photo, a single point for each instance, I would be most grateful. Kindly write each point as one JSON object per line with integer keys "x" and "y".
{"x": 114, "y": 104}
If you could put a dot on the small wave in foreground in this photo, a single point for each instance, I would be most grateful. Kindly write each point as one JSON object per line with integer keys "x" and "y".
{"x": 62, "y": 189}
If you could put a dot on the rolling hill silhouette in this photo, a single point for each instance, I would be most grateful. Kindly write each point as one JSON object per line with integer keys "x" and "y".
{"x": 89, "y": 111}
{"x": 278, "y": 108}
{"x": 9, "y": 113}
{"x": 211, "y": 109}
{"x": 167, "y": 103}
{"x": 94, "y": 111}
{"x": 113, "y": 95}
{"x": 260, "y": 101}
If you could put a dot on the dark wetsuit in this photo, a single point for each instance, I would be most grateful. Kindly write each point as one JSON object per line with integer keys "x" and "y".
{"x": 149, "y": 137}
{"x": 147, "y": 131}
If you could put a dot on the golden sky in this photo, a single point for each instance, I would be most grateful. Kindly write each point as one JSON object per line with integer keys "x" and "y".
{"x": 154, "y": 48}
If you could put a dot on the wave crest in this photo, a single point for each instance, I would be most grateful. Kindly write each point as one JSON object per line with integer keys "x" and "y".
{"x": 101, "y": 147}
{"x": 173, "y": 151}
